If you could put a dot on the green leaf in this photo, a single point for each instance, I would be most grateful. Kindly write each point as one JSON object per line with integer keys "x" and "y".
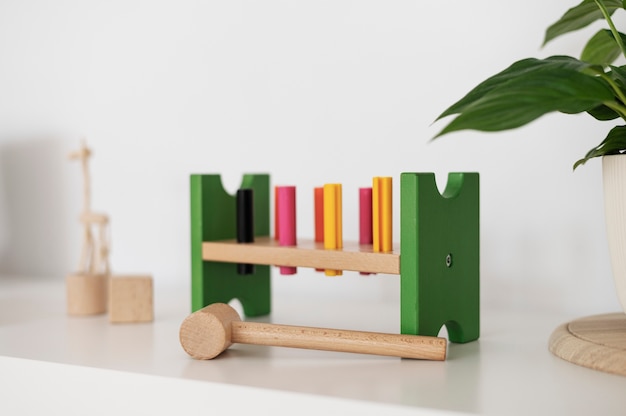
{"x": 618, "y": 73}
{"x": 530, "y": 95}
{"x": 614, "y": 143}
{"x": 580, "y": 16}
{"x": 603, "y": 113}
{"x": 518, "y": 69}
{"x": 601, "y": 48}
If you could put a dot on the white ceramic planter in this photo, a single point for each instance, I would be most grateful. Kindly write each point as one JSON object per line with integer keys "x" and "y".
{"x": 614, "y": 180}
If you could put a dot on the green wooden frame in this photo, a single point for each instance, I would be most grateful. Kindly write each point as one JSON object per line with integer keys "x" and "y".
{"x": 440, "y": 256}
{"x": 439, "y": 252}
{"x": 213, "y": 217}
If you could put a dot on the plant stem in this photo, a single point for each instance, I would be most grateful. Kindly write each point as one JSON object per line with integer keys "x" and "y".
{"x": 608, "y": 19}
{"x": 616, "y": 89}
{"x": 619, "y": 109}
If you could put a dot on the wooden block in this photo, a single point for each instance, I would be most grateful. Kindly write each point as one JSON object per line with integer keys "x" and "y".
{"x": 130, "y": 299}
{"x": 86, "y": 294}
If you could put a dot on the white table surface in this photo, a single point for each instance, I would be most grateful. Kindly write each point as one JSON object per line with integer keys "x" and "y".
{"x": 85, "y": 365}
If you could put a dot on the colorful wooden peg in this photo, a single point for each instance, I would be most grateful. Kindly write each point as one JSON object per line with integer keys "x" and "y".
{"x": 276, "y": 215}
{"x": 287, "y": 221}
{"x": 333, "y": 238}
{"x": 382, "y": 214}
{"x": 318, "y": 198}
{"x": 319, "y": 214}
{"x": 245, "y": 224}
{"x": 365, "y": 218}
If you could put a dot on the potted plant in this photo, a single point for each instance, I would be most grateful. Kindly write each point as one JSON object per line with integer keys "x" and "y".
{"x": 530, "y": 88}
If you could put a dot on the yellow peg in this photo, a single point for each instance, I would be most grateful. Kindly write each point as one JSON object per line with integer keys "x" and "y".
{"x": 333, "y": 238}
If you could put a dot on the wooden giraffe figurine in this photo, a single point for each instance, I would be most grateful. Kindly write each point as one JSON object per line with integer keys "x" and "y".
{"x": 94, "y": 258}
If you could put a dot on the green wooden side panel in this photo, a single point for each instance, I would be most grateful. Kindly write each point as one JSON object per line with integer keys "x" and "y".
{"x": 213, "y": 217}
{"x": 440, "y": 256}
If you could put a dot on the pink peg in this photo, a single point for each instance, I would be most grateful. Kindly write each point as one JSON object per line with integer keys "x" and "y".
{"x": 286, "y": 196}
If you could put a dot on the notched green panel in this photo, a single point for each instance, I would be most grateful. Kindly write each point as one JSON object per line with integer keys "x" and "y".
{"x": 213, "y": 217}
{"x": 440, "y": 255}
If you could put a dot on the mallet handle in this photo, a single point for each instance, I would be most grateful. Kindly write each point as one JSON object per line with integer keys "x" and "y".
{"x": 395, "y": 345}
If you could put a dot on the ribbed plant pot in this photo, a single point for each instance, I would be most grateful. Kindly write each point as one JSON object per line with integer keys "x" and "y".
{"x": 614, "y": 181}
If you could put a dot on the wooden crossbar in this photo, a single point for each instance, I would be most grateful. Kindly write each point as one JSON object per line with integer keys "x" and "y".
{"x": 307, "y": 253}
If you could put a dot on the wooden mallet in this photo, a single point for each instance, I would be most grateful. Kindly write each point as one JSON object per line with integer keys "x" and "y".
{"x": 207, "y": 332}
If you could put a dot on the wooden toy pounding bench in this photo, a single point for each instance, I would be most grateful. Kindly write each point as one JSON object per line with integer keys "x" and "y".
{"x": 438, "y": 260}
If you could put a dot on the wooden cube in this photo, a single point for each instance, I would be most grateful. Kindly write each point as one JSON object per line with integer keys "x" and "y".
{"x": 86, "y": 293}
{"x": 130, "y": 299}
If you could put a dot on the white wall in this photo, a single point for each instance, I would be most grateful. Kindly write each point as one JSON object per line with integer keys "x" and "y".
{"x": 309, "y": 91}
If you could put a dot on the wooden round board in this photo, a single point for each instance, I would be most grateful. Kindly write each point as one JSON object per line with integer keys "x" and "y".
{"x": 597, "y": 342}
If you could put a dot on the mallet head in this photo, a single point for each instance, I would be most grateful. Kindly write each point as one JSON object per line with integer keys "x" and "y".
{"x": 207, "y": 332}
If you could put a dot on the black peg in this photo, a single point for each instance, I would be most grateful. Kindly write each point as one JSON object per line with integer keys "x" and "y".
{"x": 245, "y": 224}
